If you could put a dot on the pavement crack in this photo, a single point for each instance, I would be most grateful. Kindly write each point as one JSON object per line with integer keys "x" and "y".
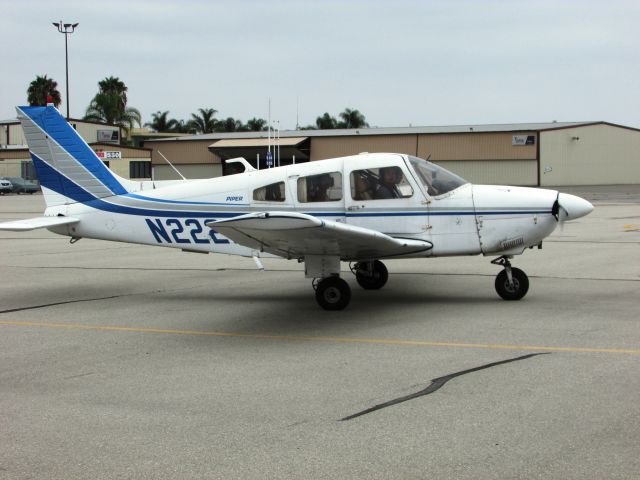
{"x": 53, "y": 304}
{"x": 82, "y": 300}
{"x": 436, "y": 384}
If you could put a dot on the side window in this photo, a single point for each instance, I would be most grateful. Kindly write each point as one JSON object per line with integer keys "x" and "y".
{"x": 326, "y": 187}
{"x": 379, "y": 184}
{"x": 270, "y": 193}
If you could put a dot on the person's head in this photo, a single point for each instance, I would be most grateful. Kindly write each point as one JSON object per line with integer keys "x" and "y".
{"x": 390, "y": 175}
{"x": 325, "y": 181}
{"x": 362, "y": 183}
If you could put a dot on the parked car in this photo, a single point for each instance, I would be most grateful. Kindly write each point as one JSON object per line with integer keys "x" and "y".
{"x": 20, "y": 185}
{"x": 5, "y": 186}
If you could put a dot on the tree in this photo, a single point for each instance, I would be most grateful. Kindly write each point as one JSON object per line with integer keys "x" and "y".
{"x": 204, "y": 123}
{"x": 110, "y": 105}
{"x": 161, "y": 124}
{"x": 230, "y": 124}
{"x": 116, "y": 87}
{"x": 40, "y": 89}
{"x": 185, "y": 127}
{"x": 326, "y": 122}
{"x": 256, "y": 125}
{"x": 352, "y": 119}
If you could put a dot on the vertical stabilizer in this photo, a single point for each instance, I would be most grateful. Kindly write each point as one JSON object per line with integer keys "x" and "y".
{"x": 68, "y": 169}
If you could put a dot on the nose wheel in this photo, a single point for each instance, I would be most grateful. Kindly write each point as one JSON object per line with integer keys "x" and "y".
{"x": 511, "y": 283}
{"x": 332, "y": 293}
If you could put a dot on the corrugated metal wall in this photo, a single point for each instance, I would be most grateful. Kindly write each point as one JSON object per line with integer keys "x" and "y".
{"x": 591, "y": 155}
{"x": 330, "y": 147}
{"x": 11, "y": 167}
{"x": 474, "y": 146}
{"x": 16, "y": 135}
{"x": 478, "y": 157}
{"x": 165, "y": 172}
{"x": 182, "y": 152}
{"x": 495, "y": 172}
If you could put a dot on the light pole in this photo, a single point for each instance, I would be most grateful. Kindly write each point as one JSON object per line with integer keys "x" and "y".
{"x": 66, "y": 28}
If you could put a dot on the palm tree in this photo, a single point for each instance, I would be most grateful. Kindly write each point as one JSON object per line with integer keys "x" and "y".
{"x": 160, "y": 123}
{"x": 110, "y": 105}
{"x": 256, "y": 125}
{"x": 352, "y": 119}
{"x": 106, "y": 108}
{"x": 326, "y": 122}
{"x": 116, "y": 87}
{"x": 229, "y": 124}
{"x": 204, "y": 123}
{"x": 40, "y": 89}
{"x": 185, "y": 127}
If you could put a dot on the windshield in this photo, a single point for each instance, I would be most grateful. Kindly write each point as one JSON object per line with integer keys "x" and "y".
{"x": 435, "y": 179}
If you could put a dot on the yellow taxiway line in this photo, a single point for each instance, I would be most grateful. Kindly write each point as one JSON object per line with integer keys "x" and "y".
{"x": 311, "y": 338}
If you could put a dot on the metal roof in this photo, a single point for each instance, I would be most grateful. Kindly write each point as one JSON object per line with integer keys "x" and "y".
{"x": 487, "y": 128}
{"x": 255, "y": 142}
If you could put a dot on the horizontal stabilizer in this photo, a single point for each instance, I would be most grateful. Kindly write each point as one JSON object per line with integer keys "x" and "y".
{"x": 35, "y": 223}
{"x": 294, "y": 235}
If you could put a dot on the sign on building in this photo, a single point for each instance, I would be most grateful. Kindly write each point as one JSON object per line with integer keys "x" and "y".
{"x": 106, "y": 155}
{"x": 521, "y": 140}
{"x": 108, "y": 136}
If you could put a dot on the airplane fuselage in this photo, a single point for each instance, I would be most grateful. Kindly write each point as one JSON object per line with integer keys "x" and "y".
{"x": 468, "y": 220}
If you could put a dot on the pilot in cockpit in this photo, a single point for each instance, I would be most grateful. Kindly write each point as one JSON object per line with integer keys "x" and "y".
{"x": 389, "y": 178}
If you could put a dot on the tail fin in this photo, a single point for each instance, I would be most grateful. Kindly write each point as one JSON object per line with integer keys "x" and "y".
{"x": 68, "y": 169}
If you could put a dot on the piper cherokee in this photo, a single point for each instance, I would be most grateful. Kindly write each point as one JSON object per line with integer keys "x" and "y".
{"x": 358, "y": 209}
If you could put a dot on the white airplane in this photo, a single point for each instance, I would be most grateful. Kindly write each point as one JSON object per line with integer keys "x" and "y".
{"x": 358, "y": 209}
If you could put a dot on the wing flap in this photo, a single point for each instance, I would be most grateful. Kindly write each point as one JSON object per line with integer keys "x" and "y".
{"x": 294, "y": 235}
{"x": 35, "y": 223}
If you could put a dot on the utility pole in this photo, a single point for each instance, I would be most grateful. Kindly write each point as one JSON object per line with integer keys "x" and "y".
{"x": 66, "y": 28}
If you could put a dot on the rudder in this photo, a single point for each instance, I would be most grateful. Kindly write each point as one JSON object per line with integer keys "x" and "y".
{"x": 68, "y": 169}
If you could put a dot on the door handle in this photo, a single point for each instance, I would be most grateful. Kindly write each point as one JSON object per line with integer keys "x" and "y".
{"x": 355, "y": 207}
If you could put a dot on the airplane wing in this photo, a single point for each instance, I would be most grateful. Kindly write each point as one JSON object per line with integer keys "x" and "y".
{"x": 34, "y": 223}
{"x": 294, "y": 235}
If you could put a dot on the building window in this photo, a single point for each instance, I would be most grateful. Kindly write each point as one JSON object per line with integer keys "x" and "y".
{"x": 139, "y": 169}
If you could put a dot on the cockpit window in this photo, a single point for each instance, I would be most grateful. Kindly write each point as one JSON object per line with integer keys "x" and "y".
{"x": 326, "y": 187}
{"x": 436, "y": 179}
{"x": 270, "y": 193}
{"x": 380, "y": 184}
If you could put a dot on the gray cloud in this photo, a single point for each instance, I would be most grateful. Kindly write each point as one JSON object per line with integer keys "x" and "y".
{"x": 399, "y": 62}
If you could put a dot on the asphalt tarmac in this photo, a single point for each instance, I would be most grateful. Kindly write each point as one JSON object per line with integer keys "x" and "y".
{"x": 121, "y": 361}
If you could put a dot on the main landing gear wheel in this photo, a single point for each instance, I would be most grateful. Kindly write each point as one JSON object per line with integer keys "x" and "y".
{"x": 511, "y": 283}
{"x": 371, "y": 275}
{"x": 333, "y": 293}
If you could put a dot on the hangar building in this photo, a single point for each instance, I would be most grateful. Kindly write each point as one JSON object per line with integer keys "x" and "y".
{"x": 530, "y": 154}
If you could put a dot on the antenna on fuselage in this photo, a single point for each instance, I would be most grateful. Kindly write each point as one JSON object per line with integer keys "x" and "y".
{"x": 171, "y": 165}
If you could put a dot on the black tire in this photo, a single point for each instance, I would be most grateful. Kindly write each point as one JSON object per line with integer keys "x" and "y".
{"x": 520, "y": 284}
{"x": 333, "y": 293}
{"x": 377, "y": 280}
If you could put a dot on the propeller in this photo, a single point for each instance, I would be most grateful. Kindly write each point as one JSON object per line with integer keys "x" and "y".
{"x": 569, "y": 207}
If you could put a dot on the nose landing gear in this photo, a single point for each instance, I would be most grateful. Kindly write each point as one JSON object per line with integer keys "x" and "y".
{"x": 511, "y": 283}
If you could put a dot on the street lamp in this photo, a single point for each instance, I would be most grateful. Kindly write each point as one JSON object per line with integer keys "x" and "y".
{"x": 66, "y": 28}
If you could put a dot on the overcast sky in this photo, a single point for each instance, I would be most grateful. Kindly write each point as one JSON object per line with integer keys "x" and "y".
{"x": 398, "y": 62}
